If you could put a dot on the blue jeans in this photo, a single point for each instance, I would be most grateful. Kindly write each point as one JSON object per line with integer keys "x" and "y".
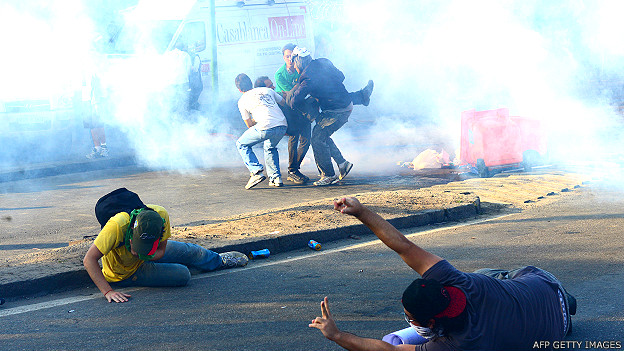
{"x": 271, "y": 138}
{"x": 173, "y": 268}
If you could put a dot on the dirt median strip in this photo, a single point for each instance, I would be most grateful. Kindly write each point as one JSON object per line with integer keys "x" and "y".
{"x": 289, "y": 228}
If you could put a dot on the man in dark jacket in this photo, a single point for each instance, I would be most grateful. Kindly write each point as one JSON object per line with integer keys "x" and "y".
{"x": 323, "y": 81}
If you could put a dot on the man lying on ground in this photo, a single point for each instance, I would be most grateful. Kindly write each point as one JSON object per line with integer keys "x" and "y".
{"x": 453, "y": 310}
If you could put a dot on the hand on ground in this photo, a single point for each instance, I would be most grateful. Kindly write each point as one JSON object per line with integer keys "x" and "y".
{"x": 116, "y": 296}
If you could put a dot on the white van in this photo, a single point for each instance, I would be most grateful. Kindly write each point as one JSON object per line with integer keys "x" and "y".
{"x": 241, "y": 36}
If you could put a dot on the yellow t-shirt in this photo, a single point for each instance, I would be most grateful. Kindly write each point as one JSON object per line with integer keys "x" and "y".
{"x": 119, "y": 264}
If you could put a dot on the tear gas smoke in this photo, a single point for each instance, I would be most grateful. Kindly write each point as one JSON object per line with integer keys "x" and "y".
{"x": 559, "y": 62}
{"x": 431, "y": 60}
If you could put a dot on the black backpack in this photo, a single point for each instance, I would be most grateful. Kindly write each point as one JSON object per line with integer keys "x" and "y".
{"x": 120, "y": 200}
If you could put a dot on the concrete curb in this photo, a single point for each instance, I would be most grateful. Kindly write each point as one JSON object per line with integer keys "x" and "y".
{"x": 79, "y": 278}
{"x": 59, "y": 168}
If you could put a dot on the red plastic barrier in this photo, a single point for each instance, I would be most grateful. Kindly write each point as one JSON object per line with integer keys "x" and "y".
{"x": 498, "y": 139}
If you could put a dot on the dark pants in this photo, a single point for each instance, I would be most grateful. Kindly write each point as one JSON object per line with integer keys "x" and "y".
{"x": 298, "y": 145}
{"x": 299, "y": 132}
{"x": 323, "y": 146}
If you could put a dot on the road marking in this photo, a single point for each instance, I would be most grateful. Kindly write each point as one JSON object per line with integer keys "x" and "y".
{"x": 70, "y": 300}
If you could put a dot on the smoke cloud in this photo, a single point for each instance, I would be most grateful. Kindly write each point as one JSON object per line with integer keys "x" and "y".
{"x": 558, "y": 62}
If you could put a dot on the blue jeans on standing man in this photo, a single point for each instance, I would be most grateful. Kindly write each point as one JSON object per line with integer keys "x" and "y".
{"x": 173, "y": 268}
{"x": 271, "y": 138}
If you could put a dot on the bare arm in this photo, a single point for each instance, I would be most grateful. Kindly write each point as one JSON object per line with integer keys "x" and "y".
{"x": 250, "y": 122}
{"x": 415, "y": 257}
{"x": 349, "y": 341}
{"x": 90, "y": 263}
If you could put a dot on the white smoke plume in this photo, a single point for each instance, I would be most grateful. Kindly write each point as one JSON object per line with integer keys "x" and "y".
{"x": 556, "y": 62}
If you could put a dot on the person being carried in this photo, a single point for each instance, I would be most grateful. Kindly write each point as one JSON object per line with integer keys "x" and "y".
{"x": 266, "y": 123}
{"x": 323, "y": 81}
{"x": 452, "y": 310}
{"x": 299, "y": 123}
{"x": 135, "y": 249}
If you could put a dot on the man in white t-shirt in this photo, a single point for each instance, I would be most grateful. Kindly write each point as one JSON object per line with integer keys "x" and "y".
{"x": 267, "y": 123}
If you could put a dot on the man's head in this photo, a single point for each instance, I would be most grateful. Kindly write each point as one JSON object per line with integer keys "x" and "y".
{"x": 427, "y": 300}
{"x": 264, "y": 81}
{"x": 147, "y": 230}
{"x": 301, "y": 58}
{"x": 243, "y": 82}
{"x": 287, "y": 54}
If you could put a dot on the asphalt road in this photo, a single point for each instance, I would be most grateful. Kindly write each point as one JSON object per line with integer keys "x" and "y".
{"x": 268, "y": 305}
{"x": 52, "y": 211}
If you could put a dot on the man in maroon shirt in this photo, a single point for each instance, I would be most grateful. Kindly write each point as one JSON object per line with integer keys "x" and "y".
{"x": 453, "y": 310}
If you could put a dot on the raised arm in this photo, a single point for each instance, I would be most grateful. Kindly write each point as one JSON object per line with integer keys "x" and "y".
{"x": 415, "y": 257}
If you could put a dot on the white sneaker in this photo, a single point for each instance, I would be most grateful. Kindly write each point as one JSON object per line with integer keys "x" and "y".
{"x": 234, "y": 259}
{"x": 95, "y": 153}
{"x": 325, "y": 181}
{"x": 254, "y": 180}
{"x": 103, "y": 151}
{"x": 276, "y": 182}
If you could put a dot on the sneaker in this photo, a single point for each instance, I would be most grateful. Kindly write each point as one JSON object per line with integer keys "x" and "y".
{"x": 103, "y": 151}
{"x": 344, "y": 169}
{"x": 254, "y": 180}
{"x": 297, "y": 177}
{"x": 276, "y": 182}
{"x": 233, "y": 259}
{"x": 325, "y": 181}
{"x": 93, "y": 155}
{"x": 367, "y": 91}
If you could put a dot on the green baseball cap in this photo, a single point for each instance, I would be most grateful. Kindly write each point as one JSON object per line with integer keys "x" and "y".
{"x": 146, "y": 232}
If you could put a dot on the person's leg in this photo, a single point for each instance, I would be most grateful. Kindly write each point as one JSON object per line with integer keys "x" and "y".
{"x": 157, "y": 274}
{"x": 320, "y": 149}
{"x": 271, "y": 156}
{"x": 191, "y": 255}
{"x": 362, "y": 96}
{"x": 305, "y": 131}
{"x": 321, "y": 140}
{"x": 98, "y": 136}
{"x": 293, "y": 144}
{"x": 245, "y": 145}
{"x": 335, "y": 152}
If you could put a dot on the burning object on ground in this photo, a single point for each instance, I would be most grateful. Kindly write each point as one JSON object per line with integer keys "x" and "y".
{"x": 493, "y": 141}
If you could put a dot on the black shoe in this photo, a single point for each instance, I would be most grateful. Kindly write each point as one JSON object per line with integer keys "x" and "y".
{"x": 366, "y": 92}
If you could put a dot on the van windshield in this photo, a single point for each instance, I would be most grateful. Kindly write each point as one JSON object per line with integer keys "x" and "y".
{"x": 146, "y": 36}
